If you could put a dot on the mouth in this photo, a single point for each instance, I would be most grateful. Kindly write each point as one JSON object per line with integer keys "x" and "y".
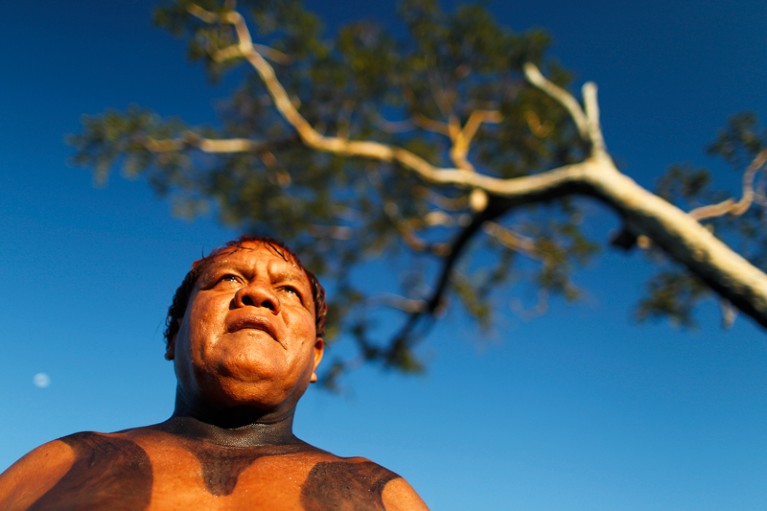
{"x": 254, "y": 323}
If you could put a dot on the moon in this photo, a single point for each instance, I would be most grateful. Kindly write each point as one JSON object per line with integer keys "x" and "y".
{"x": 41, "y": 380}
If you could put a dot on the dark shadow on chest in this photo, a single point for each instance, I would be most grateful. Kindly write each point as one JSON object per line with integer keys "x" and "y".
{"x": 222, "y": 466}
{"x": 345, "y": 486}
{"x": 108, "y": 473}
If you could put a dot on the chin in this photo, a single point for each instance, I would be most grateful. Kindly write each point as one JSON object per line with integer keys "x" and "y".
{"x": 258, "y": 395}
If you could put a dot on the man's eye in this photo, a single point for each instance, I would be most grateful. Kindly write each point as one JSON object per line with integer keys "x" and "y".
{"x": 291, "y": 290}
{"x": 228, "y": 278}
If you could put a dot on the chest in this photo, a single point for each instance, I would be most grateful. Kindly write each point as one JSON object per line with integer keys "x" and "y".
{"x": 166, "y": 477}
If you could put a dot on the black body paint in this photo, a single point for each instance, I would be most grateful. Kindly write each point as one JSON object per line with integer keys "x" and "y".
{"x": 108, "y": 473}
{"x": 222, "y": 466}
{"x": 345, "y": 486}
{"x": 116, "y": 474}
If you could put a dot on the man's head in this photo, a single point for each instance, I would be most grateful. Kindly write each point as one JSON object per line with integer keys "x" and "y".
{"x": 245, "y": 327}
{"x": 181, "y": 297}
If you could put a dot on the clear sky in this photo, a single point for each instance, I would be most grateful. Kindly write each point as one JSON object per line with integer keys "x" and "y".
{"x": 580, "y": 409}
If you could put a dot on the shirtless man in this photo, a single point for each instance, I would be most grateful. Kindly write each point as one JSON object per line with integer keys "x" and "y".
{"x": 245, "y": 336}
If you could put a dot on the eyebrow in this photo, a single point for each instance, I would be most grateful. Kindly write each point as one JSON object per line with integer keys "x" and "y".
{"x": 295, "y": 276}
{"x": 291, "y": 273}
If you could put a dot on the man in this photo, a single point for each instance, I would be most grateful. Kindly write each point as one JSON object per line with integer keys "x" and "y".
{"x": 245, "y": 335}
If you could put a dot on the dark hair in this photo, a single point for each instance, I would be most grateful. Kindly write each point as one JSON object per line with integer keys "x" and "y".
{"x": 180, "y": 302}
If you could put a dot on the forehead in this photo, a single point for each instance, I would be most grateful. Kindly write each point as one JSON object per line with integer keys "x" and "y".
{"x": 252, "y": 253}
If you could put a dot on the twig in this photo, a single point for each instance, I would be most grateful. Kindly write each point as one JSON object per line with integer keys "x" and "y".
{"x": 511, "y": 240}
{"x": 534, "y": 76}
{"x": 208, "y": 145}
{"x": 523, "y": 188}
{"x": 731, "y": 206}
{"x": 587, "y": 122}
{"x": 461, "y": 138}
{"x": 379, "y": 151}
{"x": 409, "y": 305}
{"x": 592, "y": 118}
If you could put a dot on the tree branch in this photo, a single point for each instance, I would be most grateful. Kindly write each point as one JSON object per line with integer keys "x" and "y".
{"x": 561, "y": 96}
{"x": 511, "y": 240}
{"x": 587, "y": 122}
{"x": 677, "y": 233}
{"x": 408, "y": 305}
{"x": 496, "y": 208}
{"x": 592, "y": 118}
{"x": 427, "y": 124}
{"x": 461, "y": 138}
{"x": 370, "y": 149}
{"x": 731, "y": 206}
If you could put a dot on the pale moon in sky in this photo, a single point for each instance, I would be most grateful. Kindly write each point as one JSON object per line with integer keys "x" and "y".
{"x": 41, "y": 380}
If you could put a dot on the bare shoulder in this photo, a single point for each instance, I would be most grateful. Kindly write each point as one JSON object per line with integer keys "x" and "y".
{"x": 398, "y": 495}
{"x": 334, "y": 479}
{"x": 34, "y": 474}
{"x": 58, "y": 471}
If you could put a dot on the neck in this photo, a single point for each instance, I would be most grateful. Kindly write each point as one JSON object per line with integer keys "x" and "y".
{"x": 240, "y": 426}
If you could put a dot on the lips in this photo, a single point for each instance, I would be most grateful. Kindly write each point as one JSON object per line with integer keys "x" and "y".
{"x": 253, "y": 323}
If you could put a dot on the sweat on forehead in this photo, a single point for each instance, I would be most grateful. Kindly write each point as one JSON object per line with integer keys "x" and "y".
{"x": 181, "y": 298}
{"x": 233, "y": 247}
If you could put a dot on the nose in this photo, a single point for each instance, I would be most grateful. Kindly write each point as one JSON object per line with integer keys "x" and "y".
{"x": 257, "y": 295}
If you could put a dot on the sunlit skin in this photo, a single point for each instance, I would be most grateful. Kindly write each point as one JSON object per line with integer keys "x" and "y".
{"x": 245, "y": 352}
{"x": 247, "y": 343}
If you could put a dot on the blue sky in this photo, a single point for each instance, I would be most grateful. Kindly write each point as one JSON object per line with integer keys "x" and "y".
{"x": 579, "y": 409}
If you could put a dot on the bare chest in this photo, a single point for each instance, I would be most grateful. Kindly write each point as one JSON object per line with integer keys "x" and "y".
{"x": 116, "y": 474}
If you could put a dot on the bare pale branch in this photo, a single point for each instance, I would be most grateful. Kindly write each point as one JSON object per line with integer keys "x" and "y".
{"x": 510, "y": 239}
{"x": 731, "y": 206}
{"x": 393, "y": 126}
{"x": 461, "y": 138}
{"x": 677, "y": 233}
{"x": 427, "y": 124}
{"x": 408, "y": 228}
{"x": 448, "y": 203}
{"x": 534, "y": 76}
{"x": 538, "y": 128}
{"x": 384, "y": 152}
{"x": 729, "y": 313}
{"x": 208, "y": 145}
{"x": 592, "y": 118}
{"x": 442, "y": 219}
{"x": 409, "y": 305}
{"x": 476, "y": 119}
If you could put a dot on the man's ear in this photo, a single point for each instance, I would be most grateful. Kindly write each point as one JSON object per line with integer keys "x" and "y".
{"x": 170, "y": 349}
{"x": 319, "y": 349}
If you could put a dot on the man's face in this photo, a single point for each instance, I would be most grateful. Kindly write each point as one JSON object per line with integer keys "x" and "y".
{"x": 248, "y": 337}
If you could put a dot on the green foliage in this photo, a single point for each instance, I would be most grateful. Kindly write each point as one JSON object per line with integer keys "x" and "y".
{"x": 406, "y": 86}
{"x": 683, "y": 183}
{"x": 740, "y": 141}
{"x": 672, "y": 293}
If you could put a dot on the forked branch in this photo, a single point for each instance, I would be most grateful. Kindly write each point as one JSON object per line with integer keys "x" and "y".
{"x": 586, "y": 119}
{"x": 676, "y": 232}
{"x": 523, "y": 187}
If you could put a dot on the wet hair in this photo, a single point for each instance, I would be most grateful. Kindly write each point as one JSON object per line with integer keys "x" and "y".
{"x": 181, "y": 298}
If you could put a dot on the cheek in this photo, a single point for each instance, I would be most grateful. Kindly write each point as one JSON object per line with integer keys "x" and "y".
{"x": 301, "y": 324}
{"x": 197, "y": 333}
{"x": 206, "y": 317}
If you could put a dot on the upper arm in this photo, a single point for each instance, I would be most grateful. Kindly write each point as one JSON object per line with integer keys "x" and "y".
{"x": 399, "y": 495}
{"x": 34, "y": 474}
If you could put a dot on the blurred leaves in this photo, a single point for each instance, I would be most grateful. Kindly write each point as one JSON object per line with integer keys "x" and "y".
{"x": 672, "y": 293}
{"x": 407, "y": 85}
